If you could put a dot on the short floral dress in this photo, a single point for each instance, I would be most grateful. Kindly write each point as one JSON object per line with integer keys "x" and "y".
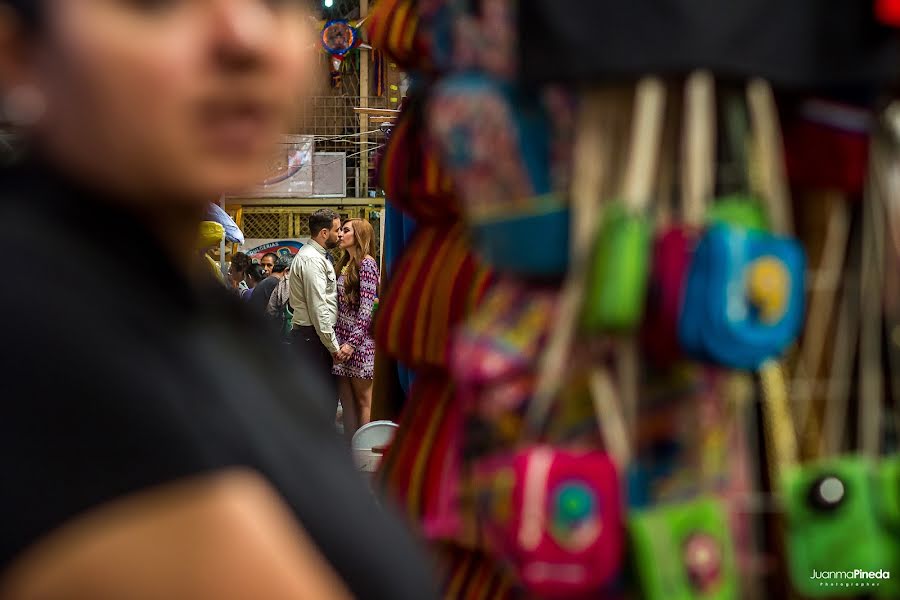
{"x": 353, "y": 323}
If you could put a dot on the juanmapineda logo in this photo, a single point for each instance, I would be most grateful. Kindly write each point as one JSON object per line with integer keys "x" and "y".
{"x": 854, "y": 578}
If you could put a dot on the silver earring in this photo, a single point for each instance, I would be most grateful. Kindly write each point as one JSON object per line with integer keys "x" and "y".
{"x": 24, "y": 105}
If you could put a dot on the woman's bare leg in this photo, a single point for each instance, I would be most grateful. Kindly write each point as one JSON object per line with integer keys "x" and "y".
{"x": 362, "y": 392}
{"x": 351, "y": 416}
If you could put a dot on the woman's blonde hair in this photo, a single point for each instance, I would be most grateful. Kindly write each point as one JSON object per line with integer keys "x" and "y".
{"x": 364, "y": 238}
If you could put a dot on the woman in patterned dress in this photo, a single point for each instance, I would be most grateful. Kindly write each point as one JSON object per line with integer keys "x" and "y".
{"x": 357, "y": 288}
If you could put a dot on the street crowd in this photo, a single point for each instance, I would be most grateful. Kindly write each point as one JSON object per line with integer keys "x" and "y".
{"x": 322, "y": 306}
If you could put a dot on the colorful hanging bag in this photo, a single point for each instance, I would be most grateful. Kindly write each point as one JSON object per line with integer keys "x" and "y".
{"x": 497, "y": 142}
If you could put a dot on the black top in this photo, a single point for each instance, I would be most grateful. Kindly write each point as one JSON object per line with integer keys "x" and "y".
{"x": 113, "y": 382}
{"x": 797, "y": 43}
{"x": 259, "y": 297}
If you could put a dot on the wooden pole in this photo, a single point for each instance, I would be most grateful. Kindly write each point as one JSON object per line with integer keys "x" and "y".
{"x": 364, "y": 60}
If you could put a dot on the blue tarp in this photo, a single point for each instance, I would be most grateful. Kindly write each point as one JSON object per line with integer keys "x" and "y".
{"x": 233, "y": 234}
{"x": 398, "y": 230}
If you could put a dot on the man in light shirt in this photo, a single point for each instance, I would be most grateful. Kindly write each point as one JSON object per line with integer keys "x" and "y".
{"x": 314, "y": 299}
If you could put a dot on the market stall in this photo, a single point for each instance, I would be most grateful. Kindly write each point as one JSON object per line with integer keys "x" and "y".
{"x": 651, "y": 299}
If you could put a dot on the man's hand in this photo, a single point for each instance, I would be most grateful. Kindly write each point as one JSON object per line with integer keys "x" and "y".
{"x": 337, "y": 358}
{"x": 345, "y": 352}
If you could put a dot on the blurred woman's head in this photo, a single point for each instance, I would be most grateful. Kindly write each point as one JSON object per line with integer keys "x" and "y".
{"x": 356, "y": 239}
{"x": 357, "y": 236}
{"x": 158, "y": 100}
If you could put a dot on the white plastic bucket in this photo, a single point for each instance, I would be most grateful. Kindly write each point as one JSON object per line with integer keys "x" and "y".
{"x": 376, "y": 434}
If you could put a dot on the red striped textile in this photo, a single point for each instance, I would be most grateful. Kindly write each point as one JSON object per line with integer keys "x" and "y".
{"x": 410, "y": 171}
{"x": 435, "y": 284}
{"x": 472, "y": 575}
{"x": 392, "y": 27}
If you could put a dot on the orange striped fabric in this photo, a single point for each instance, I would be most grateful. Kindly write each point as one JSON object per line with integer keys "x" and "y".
{"x": 410, "y": 35}
{"x": 435, "y": 285}
{"x": 473, "y": 575}
{"x": 422, "y": 468}
{"x": 403, "y": 469}
{"x": 392, "y": 27}
{"x": 411, "y": 173}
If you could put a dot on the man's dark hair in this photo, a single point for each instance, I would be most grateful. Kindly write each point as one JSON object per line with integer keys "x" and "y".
{"x": 321, "y": 219}
{"x": 272, "y": 254}
{"x": 255, "y": 272}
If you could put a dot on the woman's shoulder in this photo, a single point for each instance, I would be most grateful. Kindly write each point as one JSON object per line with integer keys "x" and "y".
{"x": 369, "y": 266}
{"x": 370, "y": 262}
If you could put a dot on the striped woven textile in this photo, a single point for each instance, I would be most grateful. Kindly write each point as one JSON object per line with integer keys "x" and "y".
{"x": 402, "y": 470}
{"x": 392, "y": 27}
{"x": 422, "y": 468}
{"x": 414, "y": 475}
{"x": 435, "y": 285}
{"x": 472, "y": 575}
{"x": 411, "y": 173}
{"x": 416, "y": 34}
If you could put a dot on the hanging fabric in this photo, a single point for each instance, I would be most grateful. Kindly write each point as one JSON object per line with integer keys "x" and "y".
{"x": 500, "y": 146}
{"x": 435, "y": 284}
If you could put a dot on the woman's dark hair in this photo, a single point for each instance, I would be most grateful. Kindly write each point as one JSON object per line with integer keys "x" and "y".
{"x": 351, "y": 261}
{"x": 255, "y": 272}
{"x": 240, "y": 262}
{"x": 28, "y": 10}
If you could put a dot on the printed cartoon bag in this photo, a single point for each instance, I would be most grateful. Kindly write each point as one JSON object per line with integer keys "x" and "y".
{"x": 557, "y": 514}
{"x": 744, "y": 297}
{"x": 684, "y": 551}
{"x": 498, "y": 143}
{"x": 834, "y": 524}
{"x": 837, "y": 500}
{"x": 554, "y": 508}
{"x": 621, "y": 258}
{"x": 674, "y": 245}
{"x": 830, "y": 505}
{"x": 745, "y": 290}
{"x": 683, "y": 538}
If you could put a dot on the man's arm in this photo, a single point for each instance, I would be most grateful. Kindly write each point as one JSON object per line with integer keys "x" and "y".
{"x": 315, "y": 283}
{"x": 295, "y": 283}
